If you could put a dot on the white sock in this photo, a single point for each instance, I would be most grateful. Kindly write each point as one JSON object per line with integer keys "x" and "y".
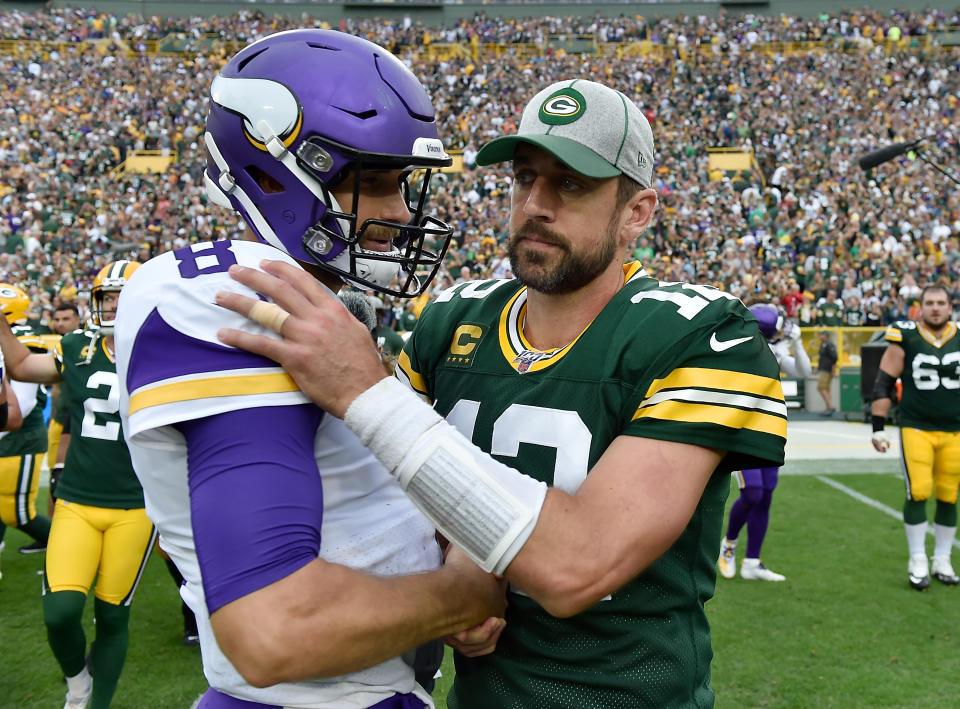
{"x": 943, "y": 537}
{"x": 751, "y": 562}
{"x": 916, "y": 538}
{"x": 79, "y": 683}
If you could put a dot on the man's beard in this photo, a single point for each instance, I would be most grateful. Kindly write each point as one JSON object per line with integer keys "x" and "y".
{"x": 571, "y": 273}
{"x": 933, "y": 325}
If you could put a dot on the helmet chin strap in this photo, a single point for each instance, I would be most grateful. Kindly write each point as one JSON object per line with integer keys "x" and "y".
{"x": 374, "y": 271}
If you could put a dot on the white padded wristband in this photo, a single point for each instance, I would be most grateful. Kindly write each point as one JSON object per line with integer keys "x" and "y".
{"x": 484, "y": 507}
{"x": 388, "y": 421}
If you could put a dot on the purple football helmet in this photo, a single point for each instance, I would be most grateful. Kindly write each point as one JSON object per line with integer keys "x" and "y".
{"x": 295, "y": 113}
{"x": 770, "y": 320}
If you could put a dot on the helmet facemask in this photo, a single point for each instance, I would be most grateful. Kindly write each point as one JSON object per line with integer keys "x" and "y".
{"x": 407, "y": 268}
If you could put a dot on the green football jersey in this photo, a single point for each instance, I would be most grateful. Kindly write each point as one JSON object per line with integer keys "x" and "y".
{"x": 31, "y": 437}
{"x": 931, "y": 376}
{"x": 669, "y": 361}
{"x": 830, "y": 314}
{"x": 97, "y": 470}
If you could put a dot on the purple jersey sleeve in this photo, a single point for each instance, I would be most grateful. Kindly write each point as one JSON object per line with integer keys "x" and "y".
{"x": 255, "y": 497}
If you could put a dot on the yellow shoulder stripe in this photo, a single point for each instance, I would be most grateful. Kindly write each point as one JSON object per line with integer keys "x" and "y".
{"x": 211, "y": 388}
{"x": 893, "y": 334}
{"x": 724, "y": 379}
{"x": 416, "y": 380}
{"x": 721, "y": 415}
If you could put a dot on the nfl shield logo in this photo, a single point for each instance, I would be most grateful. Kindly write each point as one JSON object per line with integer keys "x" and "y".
{"x": 527, "y": 359}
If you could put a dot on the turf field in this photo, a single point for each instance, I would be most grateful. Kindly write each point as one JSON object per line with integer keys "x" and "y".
{"x": 844, "y": 630}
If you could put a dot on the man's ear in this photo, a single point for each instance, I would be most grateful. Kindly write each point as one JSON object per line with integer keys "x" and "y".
{"x": 639, "y": 211}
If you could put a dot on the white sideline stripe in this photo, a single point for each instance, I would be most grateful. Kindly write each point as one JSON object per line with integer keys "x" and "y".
{"x": 802, "y": 474}
{"x": 821, "y": 432}
{"x": 889, "y": 511}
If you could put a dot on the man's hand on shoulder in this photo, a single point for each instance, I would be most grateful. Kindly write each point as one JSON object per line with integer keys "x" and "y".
{"x": 327, "y": 351}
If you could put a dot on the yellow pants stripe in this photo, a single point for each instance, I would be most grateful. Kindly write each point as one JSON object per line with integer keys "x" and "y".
{"x": 19, "y": 484}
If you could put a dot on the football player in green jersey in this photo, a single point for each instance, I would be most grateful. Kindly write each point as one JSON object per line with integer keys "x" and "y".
{"x": 593, "y": 415}
{"x": 100, "y": 528}
{"x": 925, "y": 356}
{"x": 21, "y": 452}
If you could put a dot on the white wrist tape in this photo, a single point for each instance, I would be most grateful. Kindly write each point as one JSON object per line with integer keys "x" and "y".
{"x": 881, "y": 438}
{"x": 484, "y": 507}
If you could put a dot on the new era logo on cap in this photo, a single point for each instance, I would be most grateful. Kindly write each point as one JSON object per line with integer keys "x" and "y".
{"x": 591, "y": 128}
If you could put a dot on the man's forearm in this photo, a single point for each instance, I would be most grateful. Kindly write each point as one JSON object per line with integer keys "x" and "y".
{"x": 14, "y": 351}
{"x": 326, "y": 619}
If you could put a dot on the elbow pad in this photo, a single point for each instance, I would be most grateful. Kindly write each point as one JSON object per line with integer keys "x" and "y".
{"x": 885, "y": 386}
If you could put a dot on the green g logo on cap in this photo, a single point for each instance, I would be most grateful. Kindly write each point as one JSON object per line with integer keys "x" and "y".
{"x": 562, "y": 107}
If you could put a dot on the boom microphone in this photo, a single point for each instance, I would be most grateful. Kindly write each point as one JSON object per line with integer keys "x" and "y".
{"x": 360, "y": 308}
{"x": 878, "y": 157}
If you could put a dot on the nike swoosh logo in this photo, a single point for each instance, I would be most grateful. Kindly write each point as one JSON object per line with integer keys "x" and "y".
{"x": 718, "y": 346}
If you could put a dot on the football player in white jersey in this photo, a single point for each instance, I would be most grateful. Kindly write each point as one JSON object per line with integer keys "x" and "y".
{"x": 592, "y": 417}
{"x": 314, "y": 580}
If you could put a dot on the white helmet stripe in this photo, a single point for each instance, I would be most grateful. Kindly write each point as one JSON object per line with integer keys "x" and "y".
{"x": 261, "y": 225}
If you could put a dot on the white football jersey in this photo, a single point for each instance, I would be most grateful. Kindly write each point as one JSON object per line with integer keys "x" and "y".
{"x": 368, "y": 523}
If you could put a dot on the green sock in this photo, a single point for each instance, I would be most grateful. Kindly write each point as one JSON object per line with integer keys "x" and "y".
{"x": 109, "y": 650}
{"x": 38, "y": 528}
{"x": 946, "y": 514}
{"x": 63, "y": 615}
{"x": 914, "y": 511}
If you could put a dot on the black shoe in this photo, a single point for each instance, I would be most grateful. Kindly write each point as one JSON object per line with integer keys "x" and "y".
{"x": 191, "y": 639}
{"x": 34, "y": 548}
{"x": 826, "y": 413}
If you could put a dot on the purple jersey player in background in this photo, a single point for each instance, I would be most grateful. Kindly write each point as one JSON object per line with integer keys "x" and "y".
{"x": 316, "y": 583}
{"x": 752, "y": 508}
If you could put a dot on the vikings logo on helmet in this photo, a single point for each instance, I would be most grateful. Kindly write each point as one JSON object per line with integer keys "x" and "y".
{"x": 110, "y": 279}
{"x": 14, "y": 302}
{"x": 296, "y": 113}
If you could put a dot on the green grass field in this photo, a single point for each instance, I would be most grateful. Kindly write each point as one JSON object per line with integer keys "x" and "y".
{"x": 844, "y": 630}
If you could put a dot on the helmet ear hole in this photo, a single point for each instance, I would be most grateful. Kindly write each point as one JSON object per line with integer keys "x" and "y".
{"x": 267, "y": 183}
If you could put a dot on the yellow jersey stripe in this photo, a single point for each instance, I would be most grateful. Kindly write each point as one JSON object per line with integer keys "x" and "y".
{"x": 893, "y": 334}
{"x": 210, "y": 388}
{"x": 631, "y": 269}
{"x": 721, "y": 415}
{"x": 938, "y": 343}
{"x": 686, "y": 377}
{"x": 416, "y": 380}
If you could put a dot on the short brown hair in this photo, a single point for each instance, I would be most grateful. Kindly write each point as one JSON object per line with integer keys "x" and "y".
{"x": 626, "y": 188}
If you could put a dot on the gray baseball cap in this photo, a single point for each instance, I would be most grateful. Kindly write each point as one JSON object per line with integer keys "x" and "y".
{"x": 589, "y": 127}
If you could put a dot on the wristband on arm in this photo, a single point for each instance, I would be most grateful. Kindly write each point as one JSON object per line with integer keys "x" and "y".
{"x": 484, "y": 507}
{"x": 884, "y": 386}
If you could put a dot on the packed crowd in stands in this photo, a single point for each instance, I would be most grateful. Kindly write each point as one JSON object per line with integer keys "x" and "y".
{"x": 807, "y": 228}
